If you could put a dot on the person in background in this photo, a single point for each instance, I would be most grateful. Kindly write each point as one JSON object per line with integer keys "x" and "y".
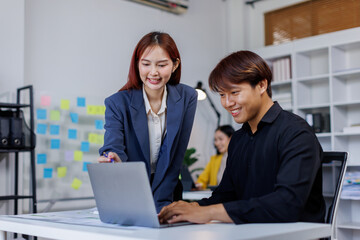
{"x": 150, "y": 118}
{"x": 214, "y": 170}
{"x": 273, "y": 171}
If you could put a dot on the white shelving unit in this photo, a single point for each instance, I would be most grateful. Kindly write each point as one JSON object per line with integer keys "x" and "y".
{"x": 325, "y": 72}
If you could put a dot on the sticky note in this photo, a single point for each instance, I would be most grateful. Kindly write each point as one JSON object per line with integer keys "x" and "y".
{"x": 99, "y": 124}
{"x": 69, "y": 156}
{"x": 61, "y": 172}
{"x": 100, "y": 139}
{"x": 41, "y": 113}
{"x": 78, "y": 155}
{"x": 54, "y": 115}
{"x": 45, "y": 101}
{"x": 95, "y": 110}
{"x": 85, "y": 146}
{"x": 74, "y": 117}
{"x": 81, "y": 102}
{"x": 76, "y": 184}
{"x": 55, "y": 143}
{"x": 92, "y": 137}
{"x": 48, "y": 172}
{"x": 85, "y": 166}
{"x": 41, "y": 128}
{"x": 72, "y": 133}
{"x": 54, "y": 129}
{"x": 65, "y": 104}
{"x": 41, "y": 158}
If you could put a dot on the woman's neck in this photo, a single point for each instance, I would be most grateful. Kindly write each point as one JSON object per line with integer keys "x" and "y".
{"x": 155, "y": 98}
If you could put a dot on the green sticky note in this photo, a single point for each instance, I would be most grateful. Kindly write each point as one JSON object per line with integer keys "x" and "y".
{"x": 54, "y": 115}
{"x": 100, "y": 139}
{"x": 76, "y": 184}
{"x": 92, "y": 138}
{"x": 78, "y": 155}
{"x": 65, "y": 104}
{"x": 61, "y": 172}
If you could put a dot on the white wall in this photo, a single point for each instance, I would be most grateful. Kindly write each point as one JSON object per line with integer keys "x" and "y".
{"x": 83, "y": 48}
{"x": 11, "y": 76}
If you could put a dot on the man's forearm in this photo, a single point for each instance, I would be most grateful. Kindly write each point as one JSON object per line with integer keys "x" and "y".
{"x": 218, "y": 212}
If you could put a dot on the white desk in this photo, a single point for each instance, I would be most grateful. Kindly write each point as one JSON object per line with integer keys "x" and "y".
{"x": 196, "y": 195}
{"x": 212, "y": 231}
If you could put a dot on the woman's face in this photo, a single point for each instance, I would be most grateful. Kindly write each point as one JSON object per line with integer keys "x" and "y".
{"x": 221, "y": 141}
{"x": 155, "y": 68}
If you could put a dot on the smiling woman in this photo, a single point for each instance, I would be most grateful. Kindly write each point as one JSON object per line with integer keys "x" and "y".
{"x": 151, "y": 117}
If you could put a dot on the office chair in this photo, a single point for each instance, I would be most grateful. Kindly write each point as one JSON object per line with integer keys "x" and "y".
{"x": 337, "y": 161}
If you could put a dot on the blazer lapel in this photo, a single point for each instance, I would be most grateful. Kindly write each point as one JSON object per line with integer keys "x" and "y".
{"x": 174, "y": 119}
{"x": 139, "y": 121}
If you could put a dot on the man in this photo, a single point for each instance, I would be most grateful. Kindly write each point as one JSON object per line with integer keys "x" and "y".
{"x": 273, "y": 171}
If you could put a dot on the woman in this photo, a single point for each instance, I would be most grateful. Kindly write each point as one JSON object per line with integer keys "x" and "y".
{"x": 151, "y": 117}
{"x": 212, "y": 174}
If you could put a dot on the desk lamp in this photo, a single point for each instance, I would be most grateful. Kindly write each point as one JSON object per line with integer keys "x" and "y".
{"x": 202, "y": 95}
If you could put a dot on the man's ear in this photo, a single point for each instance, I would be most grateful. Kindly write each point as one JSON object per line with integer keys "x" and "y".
{"x": 263, "y": 85}
{"x": 176, "y": 64}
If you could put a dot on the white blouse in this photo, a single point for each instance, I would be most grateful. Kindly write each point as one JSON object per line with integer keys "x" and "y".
{"x": 156, "y": 126}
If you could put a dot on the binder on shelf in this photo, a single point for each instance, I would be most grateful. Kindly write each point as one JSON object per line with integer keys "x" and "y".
{"x": 4, "y": 132}
{"x": 16, "y": 133}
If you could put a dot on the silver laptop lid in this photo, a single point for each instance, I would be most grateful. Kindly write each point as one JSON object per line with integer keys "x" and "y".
{"x": 123, "y": 194}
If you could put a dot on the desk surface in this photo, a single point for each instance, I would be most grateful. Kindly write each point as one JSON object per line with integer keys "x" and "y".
{"x": 56, "y": 230}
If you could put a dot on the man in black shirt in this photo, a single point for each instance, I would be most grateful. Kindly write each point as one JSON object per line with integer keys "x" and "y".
{"x": 273, "y": 170}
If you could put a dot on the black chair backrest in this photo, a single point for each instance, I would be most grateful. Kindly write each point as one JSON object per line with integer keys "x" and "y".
{"x": 337, "y": 160}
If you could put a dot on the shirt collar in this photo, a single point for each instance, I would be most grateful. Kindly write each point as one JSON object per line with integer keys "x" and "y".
{"x": 147, "y": 103}
{"x": 269, "y": 117}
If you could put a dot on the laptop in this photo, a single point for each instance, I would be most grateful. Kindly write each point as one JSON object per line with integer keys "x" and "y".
{"x": 123, "y": 194}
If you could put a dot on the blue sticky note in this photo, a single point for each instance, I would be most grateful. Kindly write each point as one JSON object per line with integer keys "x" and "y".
{"x": 85, "y": 146}
{"x": 54, "y": 129}
{"x": 41, "y": 128}
{"x": 81, "y": 102}
{"x": 72, "y": 133}
{"x": 85, "y": 166}
{"x": 41, "y": 113}
{"x": 41, "y": 158}
{"x": 74, "y": 117}
{"x": 99, "y": 124}
{"x": 48, "y": 172}
{"x": 55, "y": 143}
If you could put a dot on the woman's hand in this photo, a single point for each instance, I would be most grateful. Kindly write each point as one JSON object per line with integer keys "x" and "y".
{"x": 109, "y": 157}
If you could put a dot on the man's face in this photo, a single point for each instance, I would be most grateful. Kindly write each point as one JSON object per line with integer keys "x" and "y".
{"x": 242, "y": 101}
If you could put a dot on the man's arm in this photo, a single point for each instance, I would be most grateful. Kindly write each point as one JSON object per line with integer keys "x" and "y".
{"x": 192, "y": 212}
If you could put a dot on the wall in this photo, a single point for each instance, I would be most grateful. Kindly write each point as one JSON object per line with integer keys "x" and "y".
{"x": 83, "y": 47}
{"x": 11, "y": 76}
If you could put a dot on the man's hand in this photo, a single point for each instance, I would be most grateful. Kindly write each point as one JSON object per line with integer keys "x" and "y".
{"x": 191, "y": 212}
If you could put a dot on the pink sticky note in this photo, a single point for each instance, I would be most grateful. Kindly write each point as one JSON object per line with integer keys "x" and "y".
{"x": 69, "y": 156}
{"x": 45, "y": 101}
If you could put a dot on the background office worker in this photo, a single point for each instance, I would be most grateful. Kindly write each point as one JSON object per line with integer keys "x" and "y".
{"x": 151, "y": 117}
{"x": 273, "y": 171}
{"x": 214, "y": 170}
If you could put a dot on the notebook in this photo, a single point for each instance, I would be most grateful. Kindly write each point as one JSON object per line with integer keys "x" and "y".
{"x": 123, "y": 194}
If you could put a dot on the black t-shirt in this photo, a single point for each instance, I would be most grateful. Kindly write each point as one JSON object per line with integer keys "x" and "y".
{"x": 273, "y": 175}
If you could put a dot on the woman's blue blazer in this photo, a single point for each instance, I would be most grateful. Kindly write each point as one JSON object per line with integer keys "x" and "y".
{"x": 127, "y": 134}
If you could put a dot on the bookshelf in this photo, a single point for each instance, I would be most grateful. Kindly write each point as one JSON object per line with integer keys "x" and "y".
{"x": 325, "y": 80}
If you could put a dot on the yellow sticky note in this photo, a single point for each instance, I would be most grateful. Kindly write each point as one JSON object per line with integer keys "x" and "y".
{"x": 54, "y": 115}
{"x": 61, "y": 171}
{"x": 92, "y": 138}
{"x": 95, "y": 110}
{"x": 91, "y": 109}
{"x": 78, "y": 155}
{"x": 65, "y": 104}
{"x": 76, "y": 184}
{"x": 102, "y": 110}
{"x": 100, "y": 139}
